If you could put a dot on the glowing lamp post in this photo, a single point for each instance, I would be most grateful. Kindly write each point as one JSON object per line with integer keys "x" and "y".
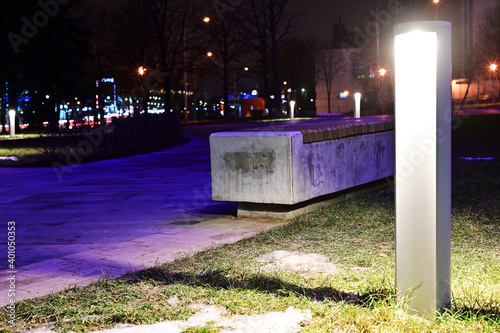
{"x": 357, "y": 105}
{"x": 493, "y": 68}
{"x": 142, "y": 70}
{"x": 12, "y": 123}
{"x": 292, "y": 107}
{"x": 382, "y": 73}
{"x": 423, "y": 164}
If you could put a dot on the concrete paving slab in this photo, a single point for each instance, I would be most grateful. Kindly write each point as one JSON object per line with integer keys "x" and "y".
{"x": 112, "y": 217}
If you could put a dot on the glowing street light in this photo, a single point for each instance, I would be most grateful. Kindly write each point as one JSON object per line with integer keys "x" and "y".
{"x": 209, "y": 54}
{"x": 493, "y": 68}
{"x": 382, "y": 72}
{"x": 206, "y": 19}
{"x": 436, "y": 2}
{"x": 423, "y": 164}
{"x": 12, "y": 123}
{"x": 292, "y": 108}
{"x": 357, "y": 105}
{"x": 141, "y": 70}
{"x": 246, "y": 69}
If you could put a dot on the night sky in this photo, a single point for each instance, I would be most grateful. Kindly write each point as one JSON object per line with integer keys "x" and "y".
{"x": 318, "y": 15}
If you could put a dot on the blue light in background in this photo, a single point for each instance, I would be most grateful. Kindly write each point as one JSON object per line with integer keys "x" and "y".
{"x": 476, "y": 158}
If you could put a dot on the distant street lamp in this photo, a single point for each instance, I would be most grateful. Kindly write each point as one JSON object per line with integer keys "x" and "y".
{"x": 292, "y": 108}
{"x": 12, "y": 123}
{"x": 357, "y": 105}
{"x": 382, "y": 73}
{"x": 346, "y": 94}
{"x": 142, "y": 71}
{"x": 436, "y": 2}
{"x": 206, "y": 19}
{"x": 493, "y": 68}
{"x": 209, "y": 54}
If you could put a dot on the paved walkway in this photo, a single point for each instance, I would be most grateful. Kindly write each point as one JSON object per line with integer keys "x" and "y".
{"x": 74, "y": 224}
{"x": 112, "y": 217}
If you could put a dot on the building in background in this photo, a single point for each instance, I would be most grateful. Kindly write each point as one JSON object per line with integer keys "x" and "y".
{"x": 368, "y": 54}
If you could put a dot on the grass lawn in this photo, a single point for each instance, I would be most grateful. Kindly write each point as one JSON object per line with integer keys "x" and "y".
{"x": 357, "y": 235}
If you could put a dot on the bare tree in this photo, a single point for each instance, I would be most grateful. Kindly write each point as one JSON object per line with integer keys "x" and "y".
{"x": 267, "y": 26}
{"x": 226, "y": 46}
{"x": 170, "y": 20}
{"x": 330, "y": 64}
{"x": 470, "y": 67}
{"x": 489, "y": 36}
{"x": 297, "y": 67}
{"x": 120, "y": 42}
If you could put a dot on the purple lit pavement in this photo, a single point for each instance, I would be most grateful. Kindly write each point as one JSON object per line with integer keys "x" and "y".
{"x": 112, "y": 217}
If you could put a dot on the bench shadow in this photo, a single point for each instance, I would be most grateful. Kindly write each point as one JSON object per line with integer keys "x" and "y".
{"x": 219, "y": 279}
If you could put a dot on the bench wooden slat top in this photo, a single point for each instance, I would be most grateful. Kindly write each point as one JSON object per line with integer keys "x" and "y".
{"x": 317, "y": 130}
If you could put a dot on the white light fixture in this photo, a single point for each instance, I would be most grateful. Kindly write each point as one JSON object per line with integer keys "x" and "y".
{"x": 423, "y": 164}
{"x": 357, "y": 105}
{"x": 12, "y": 123}
{"x": 292, "y": 107}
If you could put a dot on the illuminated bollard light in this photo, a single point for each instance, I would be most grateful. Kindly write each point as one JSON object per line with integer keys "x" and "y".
{"x": 357, "y": 105}
{"x": 423, "y": 165}
{"x": 12, "y": 123}
{"x": 292, "y": 107}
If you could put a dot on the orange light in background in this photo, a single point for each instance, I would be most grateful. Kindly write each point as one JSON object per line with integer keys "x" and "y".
{"x": 493, "y": 67}
{"x": 206, "y": 19}
{"x": 246, "y": 69}
{"x": 346, "y": 93}
{"x": 142, "y": 70}
{"x": 209, "y": 54}
{"x": 382, "y": 71}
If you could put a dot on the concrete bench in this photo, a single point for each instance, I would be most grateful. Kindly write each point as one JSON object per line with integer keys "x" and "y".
{"x": 289, "y": 169}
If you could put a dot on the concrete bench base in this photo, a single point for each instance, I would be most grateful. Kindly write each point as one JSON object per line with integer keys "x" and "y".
{"x": 287, "y": 212}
